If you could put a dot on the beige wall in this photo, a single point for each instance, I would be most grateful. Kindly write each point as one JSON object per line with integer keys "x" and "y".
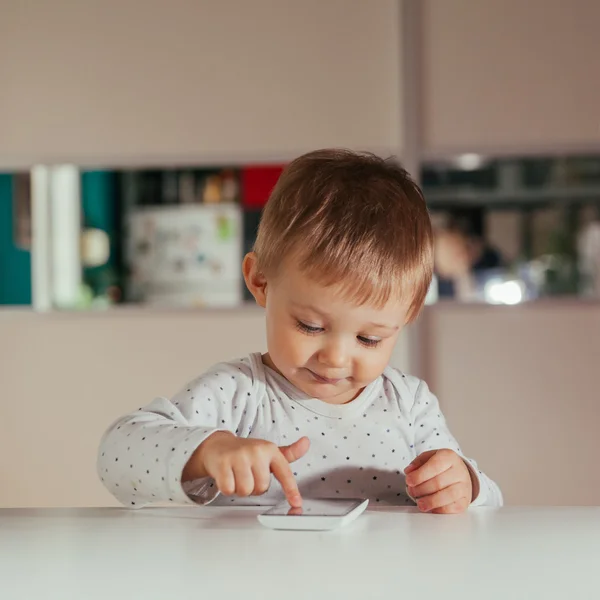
{"x": 108, "y": 82}
{"x": 519, "y": 386}
{"x": 65, "y": 377}
{"x": 510, "y": 75}
{"x": 112, "y": 82}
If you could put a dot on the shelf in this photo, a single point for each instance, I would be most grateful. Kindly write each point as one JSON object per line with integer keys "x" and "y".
{"x": 524, "y": 196}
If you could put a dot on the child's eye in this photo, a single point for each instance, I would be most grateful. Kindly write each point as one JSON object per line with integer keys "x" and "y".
{"x": 310, "y": 329}
{"x": 368, "y": 342}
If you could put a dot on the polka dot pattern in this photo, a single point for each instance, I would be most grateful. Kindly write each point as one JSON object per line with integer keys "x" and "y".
{"x": 358, "y": 449}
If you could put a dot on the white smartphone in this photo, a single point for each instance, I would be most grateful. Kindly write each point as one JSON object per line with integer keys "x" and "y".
{"x": 317, "y": 514}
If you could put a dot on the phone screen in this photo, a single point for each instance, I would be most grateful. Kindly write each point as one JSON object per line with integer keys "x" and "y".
{"x": 323, "y": 507}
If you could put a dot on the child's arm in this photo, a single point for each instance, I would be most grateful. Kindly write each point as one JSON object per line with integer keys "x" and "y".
{"x": 142, "y": 455}
{"x": 436, "y": 469}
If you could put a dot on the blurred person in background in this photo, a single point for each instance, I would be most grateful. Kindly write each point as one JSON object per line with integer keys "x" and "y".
{"x": 463, "y": 257}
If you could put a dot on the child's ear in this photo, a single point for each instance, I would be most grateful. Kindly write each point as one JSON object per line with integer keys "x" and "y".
{"x": 255, "y": 280}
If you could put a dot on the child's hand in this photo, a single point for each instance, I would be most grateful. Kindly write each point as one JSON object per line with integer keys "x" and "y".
{"x": 243, "y": 466}
{"x": 440, "y": 481}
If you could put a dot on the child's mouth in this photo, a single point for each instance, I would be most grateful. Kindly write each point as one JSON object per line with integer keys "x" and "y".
{"x": 325, "y": 380}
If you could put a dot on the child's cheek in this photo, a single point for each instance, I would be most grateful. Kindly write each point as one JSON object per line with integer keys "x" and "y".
{"x": 294, "y": 344}
{"x": 373, "y": 364}
{"x": 304, "y": 347}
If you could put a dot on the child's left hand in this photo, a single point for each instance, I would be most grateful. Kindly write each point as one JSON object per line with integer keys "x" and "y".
{"x": 440, "y": 481}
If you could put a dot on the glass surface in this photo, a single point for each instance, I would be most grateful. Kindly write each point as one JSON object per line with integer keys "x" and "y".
{"x": 323, "y": 507}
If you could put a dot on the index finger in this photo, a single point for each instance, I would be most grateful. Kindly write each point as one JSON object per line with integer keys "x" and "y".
{"x": 283, "y": 473}
{"x": 436, "y": 465}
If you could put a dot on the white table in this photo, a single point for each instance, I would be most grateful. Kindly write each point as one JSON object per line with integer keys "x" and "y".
{"x": 214, "y": 553}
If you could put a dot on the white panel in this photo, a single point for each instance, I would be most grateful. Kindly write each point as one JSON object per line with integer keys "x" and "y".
{"x": 41, "y": 239}
{"x": 113, "y": 81}
{"x": 65, "y": 221}
{"x": 511, "y": 75}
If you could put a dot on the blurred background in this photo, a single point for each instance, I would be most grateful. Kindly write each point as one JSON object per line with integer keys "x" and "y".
{"x": 139, "y": 142}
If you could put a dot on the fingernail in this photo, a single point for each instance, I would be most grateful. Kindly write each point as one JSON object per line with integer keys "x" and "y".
{"x": 296, "y": 501}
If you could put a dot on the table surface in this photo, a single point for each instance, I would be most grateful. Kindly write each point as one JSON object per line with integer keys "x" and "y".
{"x": 180, "y": 553}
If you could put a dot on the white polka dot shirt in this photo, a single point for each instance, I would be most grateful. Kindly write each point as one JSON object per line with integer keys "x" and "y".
{"x": 359, "y": 449}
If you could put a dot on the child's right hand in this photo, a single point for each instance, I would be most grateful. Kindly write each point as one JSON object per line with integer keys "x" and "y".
{"x": 243, "y": 466}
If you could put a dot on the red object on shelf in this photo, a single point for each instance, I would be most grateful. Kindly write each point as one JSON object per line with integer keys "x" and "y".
{"x": 258, "y": 183}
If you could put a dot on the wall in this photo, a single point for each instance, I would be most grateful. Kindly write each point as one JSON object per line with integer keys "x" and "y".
{"x": 510, "y": 76}
{"x": 111, "y": 82}
{"x": 519, "y": 386}
{"x": 65, "y": 377}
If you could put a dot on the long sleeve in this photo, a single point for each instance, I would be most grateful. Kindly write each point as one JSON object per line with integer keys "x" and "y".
{"x": 142, "y": 455}
{"x": 432, "y": 433}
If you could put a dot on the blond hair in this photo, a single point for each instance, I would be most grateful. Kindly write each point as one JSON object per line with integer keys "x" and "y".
{"x": 351, "y": 219}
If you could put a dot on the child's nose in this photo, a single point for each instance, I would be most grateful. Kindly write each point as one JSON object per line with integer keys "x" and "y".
{"x": 334, "y": 354}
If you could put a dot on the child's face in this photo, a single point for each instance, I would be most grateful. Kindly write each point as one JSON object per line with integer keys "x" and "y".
{"x": 326, "y": 346}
